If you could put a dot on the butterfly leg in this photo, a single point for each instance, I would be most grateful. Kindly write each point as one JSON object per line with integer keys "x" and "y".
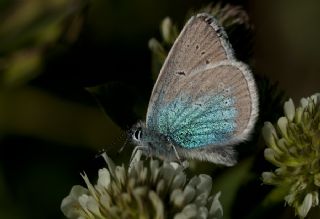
{"x": 136, "y": 155}
{"x": 176, "y": 153}
{"x": 135, "y": 150}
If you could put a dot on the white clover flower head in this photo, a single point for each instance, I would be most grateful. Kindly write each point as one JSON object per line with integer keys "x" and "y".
{"x": 160, "y": 190}
{"x": 227, "y": 15}
{"x": 293, "y": 147}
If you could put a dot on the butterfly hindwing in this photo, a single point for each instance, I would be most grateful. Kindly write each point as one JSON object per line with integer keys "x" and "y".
{"x": 219, "y": 112}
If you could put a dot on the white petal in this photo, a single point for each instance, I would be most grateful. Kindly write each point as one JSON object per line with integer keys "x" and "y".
{"x": 270, "y": 136}
{"x": 177, "y": 197}
{"x": 289, "y": 109}
{"x": 105, "y": 201}
{"x": 89, "y": 185}
{"x": 154, "y": 170}
{"x": 155, "y": 46}
{"x": 120, "y": 174}
{"x": 104, "y": 178}
{"x": 143, "y": 174}
{"x": 83, "y": 200}
{"x": 157, "y": 204}
{"x": 179, "y": 216}
{"x": 111, "y": 165}
{"x": 140, "y": 191}
{"x": 268, "y": 177}
{"x": 299, "y": 112}
{"x": 166, "y": 27}
{"x": 201, "y": 200}
{"x": 194, "y": 181}
{"x": 70, "y": 205}
{"x": 167, "y": 172}
{"x": 316, "y": 98}
{"x": 282, "y": 144}
{"x": 203, "y": 213}
{"x": 161, "y": 186}
{"x": 189, "y": 211}
{"x": 205, "y": 184}
{"x": 315, "y": 198}
{"x": 135, "y": 160}
{"x": 283, "y": 124}
{"x": 175, "y": 165}
{"x": 178, "y": 181}
{"x": 93, "y": 207}
{"x": 271, "y": 130}
{"x": 304, "y": 208}
{"x": 189, "y": 193}
{"x": 290, "y": 198}
{"x": 304, "y": 102}
{"x": 316, "y": 179}
{"x": 216, "y": 207}
{"x": 269, "y": 154}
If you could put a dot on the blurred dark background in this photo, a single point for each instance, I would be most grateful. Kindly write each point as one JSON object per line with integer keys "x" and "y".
{"x": 51, "y": 52}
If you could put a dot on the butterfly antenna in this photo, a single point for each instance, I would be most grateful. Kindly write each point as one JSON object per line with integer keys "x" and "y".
{"x": 124, "y": 144}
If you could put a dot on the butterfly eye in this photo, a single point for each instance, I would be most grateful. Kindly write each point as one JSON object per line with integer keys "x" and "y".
{"x": 137, "y": 134}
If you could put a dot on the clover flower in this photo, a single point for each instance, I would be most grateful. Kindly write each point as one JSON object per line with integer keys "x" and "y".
{"x": 294, "y": 147}
{"x": 158, "y": 190}
{"x": 228, "y": 15}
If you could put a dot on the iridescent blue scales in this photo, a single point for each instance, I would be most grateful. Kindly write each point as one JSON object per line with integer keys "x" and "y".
{"x": 204, "y": 101}
{"x": 192, "y": 125}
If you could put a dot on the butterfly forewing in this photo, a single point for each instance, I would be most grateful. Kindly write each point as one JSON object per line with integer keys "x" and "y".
{"x": 200, "y": 42}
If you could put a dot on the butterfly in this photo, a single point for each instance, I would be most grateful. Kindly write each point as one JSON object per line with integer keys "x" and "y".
{"x": 204, "y": 101}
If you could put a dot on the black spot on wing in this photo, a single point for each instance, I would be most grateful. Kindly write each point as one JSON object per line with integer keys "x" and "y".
{"x": 182, "y": 73}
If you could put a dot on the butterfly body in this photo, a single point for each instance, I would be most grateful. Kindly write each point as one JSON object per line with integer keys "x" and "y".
{"x": 153, "y": 143}
{"x": 204, "y": 100}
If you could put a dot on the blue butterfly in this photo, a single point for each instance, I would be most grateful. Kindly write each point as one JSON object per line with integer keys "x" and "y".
{"x": 204, "y": 100}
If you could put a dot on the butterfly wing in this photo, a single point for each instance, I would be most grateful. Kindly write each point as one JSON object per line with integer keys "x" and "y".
{"x": 201, "y": 41}
{"x": 203, "y": 103}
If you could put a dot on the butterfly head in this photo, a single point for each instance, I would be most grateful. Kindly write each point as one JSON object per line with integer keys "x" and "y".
{"x": 152, "y": 142}
{"x": 137, "y": 132}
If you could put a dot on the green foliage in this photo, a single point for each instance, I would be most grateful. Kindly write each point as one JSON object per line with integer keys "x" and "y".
{"x": 28, "y": 29}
